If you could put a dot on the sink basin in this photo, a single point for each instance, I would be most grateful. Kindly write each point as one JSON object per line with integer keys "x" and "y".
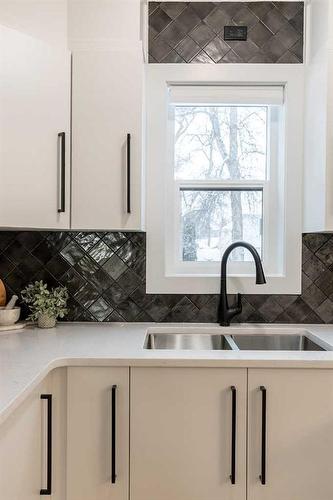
{"x": 275, "y": 342}
{"x": 235, "y": 339}
{"x": 187, "y": 341}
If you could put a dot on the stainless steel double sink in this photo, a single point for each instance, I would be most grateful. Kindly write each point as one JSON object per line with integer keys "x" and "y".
{"x": 236, "y": 340}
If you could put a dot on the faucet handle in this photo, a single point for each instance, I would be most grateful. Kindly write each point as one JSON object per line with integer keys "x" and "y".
{"x": 239, "y": 302}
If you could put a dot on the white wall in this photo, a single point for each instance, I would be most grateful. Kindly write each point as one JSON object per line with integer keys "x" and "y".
{"x": 42, "y": 19}
{"x": 318, "y": 207}
{"x": 103, "y": 22}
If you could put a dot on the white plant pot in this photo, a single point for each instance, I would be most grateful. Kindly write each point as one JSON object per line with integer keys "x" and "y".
{"x": 46, "y": 321}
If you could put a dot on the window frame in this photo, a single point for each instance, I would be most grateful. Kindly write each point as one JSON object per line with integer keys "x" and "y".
{"x": 159, "y": 78}
{"x": 269, "y": 187}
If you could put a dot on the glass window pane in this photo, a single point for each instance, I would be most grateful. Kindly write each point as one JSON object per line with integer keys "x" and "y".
{"x": 213, "y": 219}
{"x": 220, "y": 142}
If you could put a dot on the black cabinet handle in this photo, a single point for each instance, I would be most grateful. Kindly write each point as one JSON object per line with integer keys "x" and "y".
{"x": 262, "y": 476}
{"x": 48, "y": 489}
{"x": 233, "y": 433}
{"x": 128, "y": 174}
{"x": 62, "y": 171}
{"x": 113, "y": 433}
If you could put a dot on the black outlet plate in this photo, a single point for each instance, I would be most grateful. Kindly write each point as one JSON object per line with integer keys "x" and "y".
{"x": 235, "y": 33}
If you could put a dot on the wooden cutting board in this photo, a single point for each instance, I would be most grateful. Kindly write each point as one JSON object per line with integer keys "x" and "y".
{"x": 3, "y": 298}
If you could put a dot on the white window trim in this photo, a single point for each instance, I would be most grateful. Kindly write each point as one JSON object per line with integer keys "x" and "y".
{"x": 159, "y": 77}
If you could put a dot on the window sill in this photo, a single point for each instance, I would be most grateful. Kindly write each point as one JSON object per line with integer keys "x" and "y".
{"x": 196, "y": 284}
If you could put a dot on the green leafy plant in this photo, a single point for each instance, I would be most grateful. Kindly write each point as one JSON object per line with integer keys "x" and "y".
{"x": 41, "y": 300}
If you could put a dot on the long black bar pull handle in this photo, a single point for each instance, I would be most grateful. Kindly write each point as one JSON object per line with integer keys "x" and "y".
{"x": 233, "y": 433}
{"x": 62, "y": 171}
{"x": 48, "y": 489}
{"x": 128, "y": 174}
{"x": 263, "y": 433}
{"x": 113, "y": 433}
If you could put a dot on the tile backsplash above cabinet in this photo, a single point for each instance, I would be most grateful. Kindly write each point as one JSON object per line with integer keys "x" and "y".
{"x": 194, "y": 32}
{"x": 105, "y": 275}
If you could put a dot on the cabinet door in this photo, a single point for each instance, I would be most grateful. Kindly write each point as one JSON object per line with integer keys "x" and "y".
{"x": 107, "y": 100}
{"x": 57, "y": 386}
{"x": 181, "y": 434}
{"x": 115, "y": 21}
{"x": 299, "y": 434}
{"x": 21, "y": 457}
{"x": 98, "y": 434}
{"x": 35, "y": 108}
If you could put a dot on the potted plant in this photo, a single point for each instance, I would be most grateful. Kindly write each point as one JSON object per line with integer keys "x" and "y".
{"x": 45, "y": 305}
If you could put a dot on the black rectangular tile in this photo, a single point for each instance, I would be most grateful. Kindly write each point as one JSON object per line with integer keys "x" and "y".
{"x": 87, "y": 295}
{"x": 101, "y": 252}
{"x": 6, "y": 266}
{"x": 29, "y": 239}
{"x": 6, "y": 237}
{"x": 128, "y": 309}
{"x": 159, "y": 20}
{"x": 173, "y": 9}
{"x": 100, "y": 309}
{"x": 87, "y": 240}
{"x": 72, "y": 252}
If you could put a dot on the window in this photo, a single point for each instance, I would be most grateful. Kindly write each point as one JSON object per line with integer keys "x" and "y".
{"x": 213, "y": 218}
{"x": 223, "y": 162}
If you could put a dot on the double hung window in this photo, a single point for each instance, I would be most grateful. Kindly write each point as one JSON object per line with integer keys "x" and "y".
{"x": 225, "y": 176}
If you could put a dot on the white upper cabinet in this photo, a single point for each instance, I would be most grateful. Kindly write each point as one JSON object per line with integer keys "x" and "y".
{"x": 107, "y": 131}
{"x": 34, "y": 158}
{"x": 35, "y": 108}
{"x": 107, "y": 101}
{"x": 318, "y": 157}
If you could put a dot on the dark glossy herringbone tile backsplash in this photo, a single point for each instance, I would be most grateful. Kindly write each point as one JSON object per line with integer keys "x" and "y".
{"x": 105, "y": 275}
{"x": 193, "y": 32}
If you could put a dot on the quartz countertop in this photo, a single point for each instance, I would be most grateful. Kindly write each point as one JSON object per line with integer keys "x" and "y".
{"x": 28, "y": 355}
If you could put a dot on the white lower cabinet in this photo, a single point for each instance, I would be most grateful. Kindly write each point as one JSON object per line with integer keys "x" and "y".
{"x": 24, "y": 447}
{"x": 173, "y": 434}
{"x": 181, "y": 434}
{"x": 299, "y": 434}
{"x": 98, "y": 434}
{"x": 21, "y": 451}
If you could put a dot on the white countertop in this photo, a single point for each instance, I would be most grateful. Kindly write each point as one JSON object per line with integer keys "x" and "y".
{"x": 27, "y": 356}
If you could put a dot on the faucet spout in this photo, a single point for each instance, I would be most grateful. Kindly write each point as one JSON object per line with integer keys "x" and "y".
{"x": 226, "y": 313}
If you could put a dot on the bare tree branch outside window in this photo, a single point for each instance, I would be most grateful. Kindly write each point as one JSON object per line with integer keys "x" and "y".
{"x": 222, "y": 143}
